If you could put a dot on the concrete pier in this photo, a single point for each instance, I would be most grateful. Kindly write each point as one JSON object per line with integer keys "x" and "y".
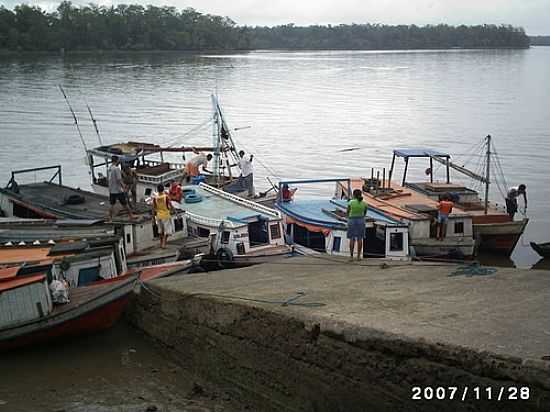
{"x": 382, "y": 329}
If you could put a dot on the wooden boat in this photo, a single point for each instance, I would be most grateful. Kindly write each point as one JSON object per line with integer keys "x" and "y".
{"x": 419, "y": 214}
{"x": 240, "y": 231}
{"x": 321, "y": 224}
{"x": 28, "y": 316}
{"x": 493, "y": 229}
{"x": 60, "y": 219}
{"x": 156, "y": 165}
{"x": 543, "y": 249}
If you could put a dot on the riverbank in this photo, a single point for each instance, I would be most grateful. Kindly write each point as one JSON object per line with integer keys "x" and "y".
{"x": 378, "y": 332}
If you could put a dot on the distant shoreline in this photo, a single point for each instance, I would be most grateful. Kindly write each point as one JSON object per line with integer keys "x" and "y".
{"x": 107, "y": 52}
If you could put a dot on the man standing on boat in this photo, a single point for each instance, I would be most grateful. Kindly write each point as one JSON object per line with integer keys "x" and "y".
{"x": 162, "y": 208}
{"x": 512, "y": 199}
{"x": 116, "y": 188}
{"x": 247, "y": 176}
{"x": 192, "y": 166}
{"x": 444, "y": 207}
{"x": 357, "y": 210}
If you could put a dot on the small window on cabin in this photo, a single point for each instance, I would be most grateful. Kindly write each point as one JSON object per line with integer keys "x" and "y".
{"x": 225, "y": 237}
{"x": 202, "y": 232}
{"x": 128, "y": 238}
{"x": 459, "y": 227}
{"x": 178, "y": 224}
{"x": 396, "y": 242}
{"x": 148, "y": 192}
{"x": 336, "y": 244}
{"x": 275, "y": 231}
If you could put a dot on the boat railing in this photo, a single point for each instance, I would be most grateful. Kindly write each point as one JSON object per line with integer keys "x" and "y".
{"x": 170, "y": 175}
{"x": 173, "y": 165}
{"x": 239, "y": 200}
{"x": 58, "y": 174}
{"x": 208, "y": 220}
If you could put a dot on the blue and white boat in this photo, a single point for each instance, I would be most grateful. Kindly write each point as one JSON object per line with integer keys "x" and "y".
{"x": 321, "y": 224}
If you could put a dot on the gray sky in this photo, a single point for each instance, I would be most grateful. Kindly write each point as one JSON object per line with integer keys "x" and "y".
{"x": 533, "y": 15}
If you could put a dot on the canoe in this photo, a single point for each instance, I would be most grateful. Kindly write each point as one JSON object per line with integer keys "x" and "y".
{"x": 91, "y": 308}
{"x": 542, "y": 249}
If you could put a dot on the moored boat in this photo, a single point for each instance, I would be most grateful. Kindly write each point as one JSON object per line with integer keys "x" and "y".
{"x": 29, "y": 316}
{"x": 493, "y": 229}
{"x": 320, "y": 224}
{"x": 543, "y": 249}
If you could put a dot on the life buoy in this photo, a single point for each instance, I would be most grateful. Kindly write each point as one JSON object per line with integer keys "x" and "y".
{"x": 192, "y": 198}
{"x": 224, "y": 257}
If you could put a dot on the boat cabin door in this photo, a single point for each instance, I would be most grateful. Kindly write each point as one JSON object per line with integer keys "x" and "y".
{"x": 397, "y": 242}
{"x": 258, "y": 234}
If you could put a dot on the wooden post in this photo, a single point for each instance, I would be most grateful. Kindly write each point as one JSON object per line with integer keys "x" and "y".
{"x": 448, "y": 171}
{"x": 390, "y": 174}
{"x": 431, "y": 170}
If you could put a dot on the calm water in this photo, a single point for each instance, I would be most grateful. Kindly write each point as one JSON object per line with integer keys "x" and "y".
{"x": 297, "y": 110}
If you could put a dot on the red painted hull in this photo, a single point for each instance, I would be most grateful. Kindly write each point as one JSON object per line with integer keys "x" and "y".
{"x": 100, "y": 319}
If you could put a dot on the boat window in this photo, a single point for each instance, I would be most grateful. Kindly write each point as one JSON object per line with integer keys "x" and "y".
{"x": 148, "y": 191}
{"x": 128, "y": 238}
{"x": 396, "y": 242}
{"x": 275, "y": 231}
{"x": 240, "y": 249}
{"x": 225, "y": 236}
{"x": 88, "y": 275}
{"x": 178, "y": 224}
{"x": 202, "y": 232}
{"x": 459, "y": 227}
{"x": 336, "y": 244}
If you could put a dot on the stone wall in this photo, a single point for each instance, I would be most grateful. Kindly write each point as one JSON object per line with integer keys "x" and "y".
{"x": 279, "y": 362}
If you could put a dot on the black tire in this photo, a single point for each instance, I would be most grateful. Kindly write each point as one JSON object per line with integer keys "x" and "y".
{"x": 224, "y": 257}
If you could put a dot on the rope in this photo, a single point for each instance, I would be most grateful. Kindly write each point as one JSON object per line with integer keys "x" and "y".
{"x": 474, "y": 269}
{"x": 190, "y": 131}
{"x": 291, "y": 301}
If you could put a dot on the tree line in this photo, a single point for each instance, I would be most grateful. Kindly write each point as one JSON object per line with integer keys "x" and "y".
{"x": 540, "y": 40}
{"x": 135, "y": 27}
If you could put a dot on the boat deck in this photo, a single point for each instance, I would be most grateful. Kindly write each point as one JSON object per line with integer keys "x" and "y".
{"x": 312, "y": 211}
{"x": 52, "y": 198}
{"x": 218, "y": 208}
{"x": 399, "y": 204}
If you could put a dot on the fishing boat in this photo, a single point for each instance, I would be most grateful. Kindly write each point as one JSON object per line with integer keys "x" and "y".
{"x": 155, "y": 164}
{"x": 543, "y": 249}
{"x": 419, "y": 213}
{"x": 321, "y": 224}
{"x": 240, "y": 232}
{"x": 29, "y": 316}
{"x": 82, "y": 210}
{"x": 493, "y": 229}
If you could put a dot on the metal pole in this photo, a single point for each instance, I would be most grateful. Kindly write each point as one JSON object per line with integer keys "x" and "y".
{"x": 383, "y": 178}
{"x": 405, "y": 172}
{"x": 391, "y": 171}
{"x": 431, "y": 170}
{"x": 487, "y": 172}
{"x": 448, "y": 171}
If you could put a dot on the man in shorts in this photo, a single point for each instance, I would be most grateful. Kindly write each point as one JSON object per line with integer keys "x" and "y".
{"x": 162, "y": 208}
{"x": 444, "y": 207}
{"x": 116, "y": 188}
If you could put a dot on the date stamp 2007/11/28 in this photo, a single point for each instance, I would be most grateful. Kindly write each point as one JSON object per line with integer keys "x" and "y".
{"x": 466, "y": 393}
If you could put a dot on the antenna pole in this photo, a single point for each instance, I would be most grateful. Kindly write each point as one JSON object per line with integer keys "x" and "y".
{"x": 487, "y": 172}
{"x": 94, "y": 121}
{"x": 74, "y": 118}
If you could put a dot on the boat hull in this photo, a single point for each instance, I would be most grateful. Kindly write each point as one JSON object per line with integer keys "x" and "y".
{"x": 500, "y": 238}
{"x": 446, "y": 247}
{"x": 93, "y": 315}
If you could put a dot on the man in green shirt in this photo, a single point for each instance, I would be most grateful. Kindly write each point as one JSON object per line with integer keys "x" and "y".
{"x": 357, "y": 210}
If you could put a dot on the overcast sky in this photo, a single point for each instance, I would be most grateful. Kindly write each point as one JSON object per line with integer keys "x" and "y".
{"x": 533, "y": 15}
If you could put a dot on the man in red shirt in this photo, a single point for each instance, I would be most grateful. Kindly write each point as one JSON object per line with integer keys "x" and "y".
{"x": 444, "y": 207}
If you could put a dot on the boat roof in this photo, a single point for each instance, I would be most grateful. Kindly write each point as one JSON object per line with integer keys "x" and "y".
{"x": 419, "y": 152}
{"x": 311, "y": 211}
{"x": 220, "y": 206}
{"x": 128, "y": 151}
{"x": 19, "y": 281}
{"x": 51, "y": 198}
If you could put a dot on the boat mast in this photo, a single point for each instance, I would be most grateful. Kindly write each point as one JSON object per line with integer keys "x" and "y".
{"x": 216, "y": 138}
{"x": 487, "y": 172}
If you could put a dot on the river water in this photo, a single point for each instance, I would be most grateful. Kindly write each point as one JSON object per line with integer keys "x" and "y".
{"x": 296, "y": 111}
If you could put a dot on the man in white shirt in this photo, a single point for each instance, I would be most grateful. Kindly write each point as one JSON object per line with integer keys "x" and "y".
{"x": 512, "y": 199}
{"x": 192, "y": 167}
{"x": 247, "y": 176}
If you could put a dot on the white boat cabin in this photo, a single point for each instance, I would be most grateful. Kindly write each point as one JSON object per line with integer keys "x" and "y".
{"x": 235, "y": 226}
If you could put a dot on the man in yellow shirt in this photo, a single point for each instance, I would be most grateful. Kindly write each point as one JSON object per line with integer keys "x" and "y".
{"x": 162, "y": 210}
